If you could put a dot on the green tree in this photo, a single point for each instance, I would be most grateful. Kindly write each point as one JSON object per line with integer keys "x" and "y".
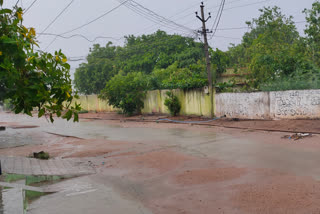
{"x": 219, "y": 61}
{"x": 91, "y": 77}
{"x": 158, "y": 50}
{"x": 154, "y": 55}
{"x": 32, "y": 79}
{"x": 126, "y": 92}
{"x": 313, "y": 31}
{"x": 271, "y": 46}
{"x": 184, "y": 78}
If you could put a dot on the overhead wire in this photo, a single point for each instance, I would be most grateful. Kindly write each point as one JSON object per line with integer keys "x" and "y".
{"x": 56, "y": 18}
{"x": 153, "y": 19}
{"x": 162, "y": 19}
{"x": 246, "y": 5}
{"x": 218, "y": 14}
{"x": 95, "y": 19}
{"x": 156, "y": 18}
{"x": 218, "y": 18}
{"x": 17, "y": 2}
{"x": 85, "y": 24}
{"x": 83, "y": 58}
{"x": 30, "y": 6}
{"x": 137, "y": 48}
{"x": 180, "y": 12}
{"x": 239, "y": 6}
{"x": 81, "y": 36}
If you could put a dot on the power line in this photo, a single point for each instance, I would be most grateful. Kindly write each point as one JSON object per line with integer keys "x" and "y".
{"x": 95, "y": 19}
{"x": 227, "y": 37}
{"x": 138, "y": 48}
{"x": 184, "y": 16}
{"x": 161, "y": 17}
{"x": 180, "y": 12}
{"x": 156, "y": 18}
{"x": 217, "y": 20}
{"x": 83, "y": 25}
{"x": 218, "y": 14}
{"x": 55, "y": 19}
{"x": 17, "y": 2}
{"x": 246, "y": 5}
{"x": 54, "y": 39}
{"x": 216, "y": 6}
{"x": 120, "y": 38}
{"x": 240, "y": 6}
{"x": 81, "y": 36}
{"x": 30, "y": 6}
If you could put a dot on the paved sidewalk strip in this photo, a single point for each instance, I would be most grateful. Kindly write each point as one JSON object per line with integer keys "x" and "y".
{"x": 31, "y": 166}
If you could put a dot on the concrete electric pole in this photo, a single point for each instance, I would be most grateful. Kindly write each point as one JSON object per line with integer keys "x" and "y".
{"x": 206, "y": 49}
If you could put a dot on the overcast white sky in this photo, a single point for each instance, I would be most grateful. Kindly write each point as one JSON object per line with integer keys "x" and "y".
{"x": 124, "y": 21}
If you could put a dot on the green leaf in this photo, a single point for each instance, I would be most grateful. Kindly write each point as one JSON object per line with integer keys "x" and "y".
{"x": 41, "y": 112}
{"x": 3, "y": 11}
{"x": 68, "y": 115}
{"x": 51, "y": 118}
{"x": 76, "y": 117}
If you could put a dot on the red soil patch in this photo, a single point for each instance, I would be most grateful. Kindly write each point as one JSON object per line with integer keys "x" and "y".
{"x": 208, "y": 200}
{"x": 160, "y": 160}
{"x": 279, "y": 194}
{"x": 203, "y": 176}
{"x": 122, "y": 154}
{"x": 89, "y": 153}
{"x": 93, "y": 148}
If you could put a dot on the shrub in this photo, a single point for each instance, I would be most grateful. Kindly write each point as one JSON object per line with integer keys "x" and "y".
{"x": 298, "y": 80}
{"x": 41, "y": 155}
{"x": 126, "y": 92}
{"x": 173, "y": 104}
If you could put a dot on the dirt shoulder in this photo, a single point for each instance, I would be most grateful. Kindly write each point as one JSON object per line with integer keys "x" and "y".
{"x": 301, "y": 126}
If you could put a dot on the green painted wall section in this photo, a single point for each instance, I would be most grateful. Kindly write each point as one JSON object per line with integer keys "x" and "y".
{"x": 193, "y": 102}
{"x": 93, "y": 103}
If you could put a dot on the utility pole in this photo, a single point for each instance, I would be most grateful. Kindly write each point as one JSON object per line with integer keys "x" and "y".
{"x": 206, "y": 50}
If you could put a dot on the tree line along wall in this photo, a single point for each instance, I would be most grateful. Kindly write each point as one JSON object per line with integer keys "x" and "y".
{"x": 295, "y": 104}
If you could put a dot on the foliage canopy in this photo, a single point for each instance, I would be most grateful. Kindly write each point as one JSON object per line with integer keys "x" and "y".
{"x": 32, "y": 79}
{"x": 126, "y": 92}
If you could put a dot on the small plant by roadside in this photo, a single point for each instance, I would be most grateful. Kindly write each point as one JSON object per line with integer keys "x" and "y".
{"x": 173, "y": 104}
{"x": 40, "y": 155}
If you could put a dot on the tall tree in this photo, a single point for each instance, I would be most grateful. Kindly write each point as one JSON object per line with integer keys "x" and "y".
{"x": 32, "y": 79}
{"x": 270, "y": 47}
{"x": 144, "y": 54}
{"x": 91, "y": 77}
{"x": 313, "y": 31}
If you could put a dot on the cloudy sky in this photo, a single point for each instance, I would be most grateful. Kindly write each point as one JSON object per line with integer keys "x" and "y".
{"x": 125, "y": 19}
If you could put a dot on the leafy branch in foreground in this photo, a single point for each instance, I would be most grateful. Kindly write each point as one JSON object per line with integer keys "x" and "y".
{"x": 32, "y": 79}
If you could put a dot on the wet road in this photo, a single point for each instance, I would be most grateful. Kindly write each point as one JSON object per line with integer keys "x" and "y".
{"x": 238, "y": 151}
{"x": 241, "y": 152}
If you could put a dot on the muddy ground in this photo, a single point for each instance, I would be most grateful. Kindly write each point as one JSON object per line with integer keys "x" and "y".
{"x": 178, "y": 168}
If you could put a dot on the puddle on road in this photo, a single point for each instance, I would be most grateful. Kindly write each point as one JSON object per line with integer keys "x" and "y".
{"x": 15, "y": 200}
{"x": 11, "y": 201}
